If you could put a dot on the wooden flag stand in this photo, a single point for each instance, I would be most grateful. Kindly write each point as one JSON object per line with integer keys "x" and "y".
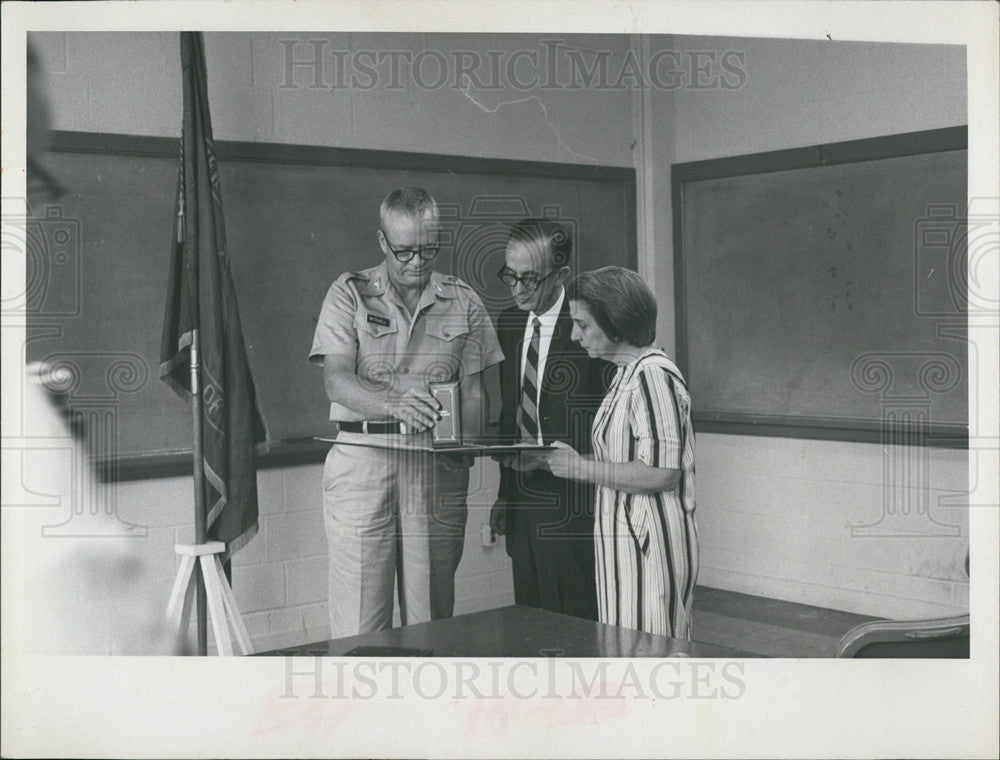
{"x": 222, "y": 608}
{"x": 201, "y": 569}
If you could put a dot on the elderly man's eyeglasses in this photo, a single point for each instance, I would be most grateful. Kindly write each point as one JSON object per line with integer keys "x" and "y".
{"x": 530, "y": 281}
{"x": 403, "y": 255}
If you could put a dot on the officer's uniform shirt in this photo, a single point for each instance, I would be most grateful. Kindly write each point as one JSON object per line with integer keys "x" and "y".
{"x": 448, "y": 337}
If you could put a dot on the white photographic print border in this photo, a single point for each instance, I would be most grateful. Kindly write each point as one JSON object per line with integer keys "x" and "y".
{"x": 530, "y": 707}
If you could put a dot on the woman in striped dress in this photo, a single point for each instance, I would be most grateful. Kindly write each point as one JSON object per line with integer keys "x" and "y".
{"x": 643, "y": 463}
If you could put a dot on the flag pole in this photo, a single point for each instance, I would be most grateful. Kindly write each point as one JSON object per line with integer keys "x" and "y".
{"x": 224, "y": 470}
{"x": 200, "y": 516}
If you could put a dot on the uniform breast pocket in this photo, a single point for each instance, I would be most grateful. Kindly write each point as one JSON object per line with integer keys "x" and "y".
{"x": 450, "y": 330}
{"x": 446, "y": 343}
{"x": 376, "y": 346}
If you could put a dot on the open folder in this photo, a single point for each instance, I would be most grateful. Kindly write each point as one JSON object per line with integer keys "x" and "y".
{"x": 423, "y": 444}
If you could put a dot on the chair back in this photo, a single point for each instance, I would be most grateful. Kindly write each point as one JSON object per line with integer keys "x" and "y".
{"x": 941, "y": 638}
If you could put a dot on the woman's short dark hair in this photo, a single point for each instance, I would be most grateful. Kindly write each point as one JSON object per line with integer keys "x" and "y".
{"x": 620, "y": 302}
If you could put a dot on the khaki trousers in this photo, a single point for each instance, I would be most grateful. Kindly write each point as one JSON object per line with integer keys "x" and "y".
{"x": 393, "y": 519}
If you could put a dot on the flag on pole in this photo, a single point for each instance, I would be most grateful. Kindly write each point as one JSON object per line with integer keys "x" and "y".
{"x": 201, "y": 297}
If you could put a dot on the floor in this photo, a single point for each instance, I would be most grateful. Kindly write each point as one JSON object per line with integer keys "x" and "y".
{"x": 768, "y": 627}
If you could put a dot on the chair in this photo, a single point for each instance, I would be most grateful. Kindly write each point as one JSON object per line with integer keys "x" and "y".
{"x": 941, "y": 638}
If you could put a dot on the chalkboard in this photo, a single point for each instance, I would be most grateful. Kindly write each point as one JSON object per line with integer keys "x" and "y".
{"x": 296, "y": 217}
{"x": 821, "y": 292}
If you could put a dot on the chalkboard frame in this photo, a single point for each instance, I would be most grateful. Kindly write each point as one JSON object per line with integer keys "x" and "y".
{"x": 743, "y": 422}
{"x": 300, "y": 451}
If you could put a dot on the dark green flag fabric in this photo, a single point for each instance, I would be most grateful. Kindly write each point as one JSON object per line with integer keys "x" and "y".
{"x": 201, "y": 297}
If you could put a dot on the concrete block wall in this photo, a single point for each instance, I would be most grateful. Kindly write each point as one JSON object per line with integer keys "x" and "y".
{"x": 813, "y": 522}
{"x": 280, "y": 576}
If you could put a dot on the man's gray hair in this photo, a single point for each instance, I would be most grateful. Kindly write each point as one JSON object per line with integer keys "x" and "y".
{"x": 412, "y": 201}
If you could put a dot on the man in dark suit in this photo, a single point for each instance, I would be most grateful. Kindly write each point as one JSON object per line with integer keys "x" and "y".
{"x": 550, "y": 390}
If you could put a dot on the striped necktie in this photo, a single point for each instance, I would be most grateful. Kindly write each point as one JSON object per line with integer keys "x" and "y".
{"x": 527, "y": 422}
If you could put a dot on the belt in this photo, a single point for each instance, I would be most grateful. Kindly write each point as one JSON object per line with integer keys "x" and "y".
{"x": 367, "y": 427}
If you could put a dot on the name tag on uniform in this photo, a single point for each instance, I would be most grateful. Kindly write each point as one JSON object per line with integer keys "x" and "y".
{"x": 378, "y": 320}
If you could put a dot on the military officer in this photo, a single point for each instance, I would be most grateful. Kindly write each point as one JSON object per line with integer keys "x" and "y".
{"x": 395, "y": 517}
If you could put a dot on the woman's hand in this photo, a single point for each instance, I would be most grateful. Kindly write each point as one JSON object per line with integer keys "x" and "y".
{"x": 564, "y": 462}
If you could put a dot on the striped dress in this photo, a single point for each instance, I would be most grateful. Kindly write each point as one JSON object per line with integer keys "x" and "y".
{"x": 646, "y": 544}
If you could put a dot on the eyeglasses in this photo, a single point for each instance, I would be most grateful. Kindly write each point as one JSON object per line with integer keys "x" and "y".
{"x": 427, "y": 252}
{"x": 530, "y": 281}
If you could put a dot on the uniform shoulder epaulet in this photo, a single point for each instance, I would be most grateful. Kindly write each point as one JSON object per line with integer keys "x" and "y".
{"x": 449, "y": 286}
{"x": 366, "y": 282}
{"x": 352, "y": 275}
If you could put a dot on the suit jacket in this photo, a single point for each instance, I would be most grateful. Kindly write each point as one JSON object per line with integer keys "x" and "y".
{"x": 570, "y": 392}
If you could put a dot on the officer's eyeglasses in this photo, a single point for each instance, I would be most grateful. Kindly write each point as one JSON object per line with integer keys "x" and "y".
{"x": 403, "y": 255}
{"x": 530, "y": 281}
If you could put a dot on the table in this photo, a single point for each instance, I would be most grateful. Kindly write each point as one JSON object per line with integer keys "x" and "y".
{"x": 516, "y": 631}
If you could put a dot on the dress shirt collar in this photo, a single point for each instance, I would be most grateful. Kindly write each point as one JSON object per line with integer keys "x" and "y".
{"x": 548, "y": 318}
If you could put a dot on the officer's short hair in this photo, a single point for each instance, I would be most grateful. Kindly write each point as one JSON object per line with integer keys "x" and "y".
{"x": 412, "y": 201}
{"x": 547, "y": 235}
{"x": 620, "y": 302}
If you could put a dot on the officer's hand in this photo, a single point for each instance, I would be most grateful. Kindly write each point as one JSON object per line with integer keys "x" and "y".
{"x": 498, "y": 516}
{"x": 456, "y": 462}
{"x": 416, "y": 407}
